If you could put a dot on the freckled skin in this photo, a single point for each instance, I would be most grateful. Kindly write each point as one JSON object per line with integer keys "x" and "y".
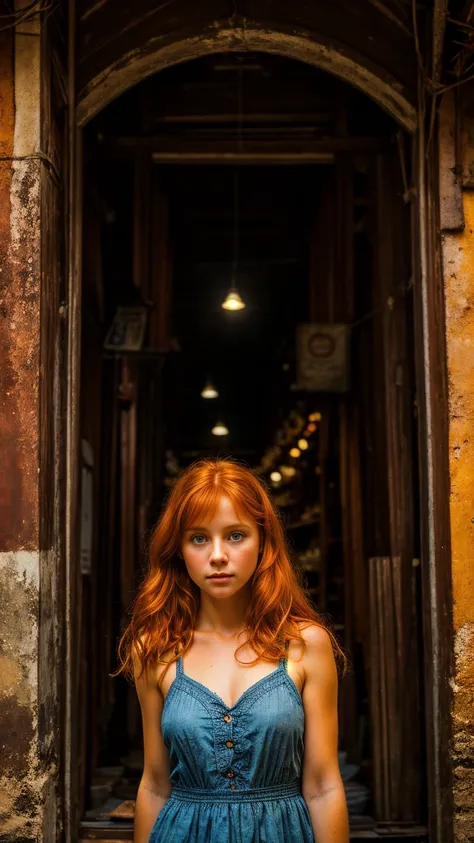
{"x": 226, "y": 543}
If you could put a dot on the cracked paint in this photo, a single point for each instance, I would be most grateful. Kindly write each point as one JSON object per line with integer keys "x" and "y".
{"x": 21, "y": 780}
{"x": 27, "y": 772}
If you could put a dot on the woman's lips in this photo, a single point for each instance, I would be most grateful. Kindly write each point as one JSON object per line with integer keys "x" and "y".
{"x": 221, "y": 576}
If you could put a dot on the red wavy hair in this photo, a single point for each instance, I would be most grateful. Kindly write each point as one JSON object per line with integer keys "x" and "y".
{"x": 165, "y": 609}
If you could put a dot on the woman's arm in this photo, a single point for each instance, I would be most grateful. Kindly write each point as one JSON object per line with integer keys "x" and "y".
{"x": 322, "y": 786}
{"x": 154, "y": 788}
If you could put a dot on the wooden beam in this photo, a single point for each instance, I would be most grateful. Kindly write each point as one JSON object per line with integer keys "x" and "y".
{"x": 260, "y": 155}
{"x": 314, "y": 119}
{"x": 292, "y": 151}
{"x": 181, "y": 149}
{"x": 440, "y": 16}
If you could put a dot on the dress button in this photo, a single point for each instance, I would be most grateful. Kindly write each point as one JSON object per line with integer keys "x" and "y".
{"x": 233, "y": 786}
{"x": 230, "y": 774}
{"x": 227, "y": 718}
{"x": 229, "y": 744}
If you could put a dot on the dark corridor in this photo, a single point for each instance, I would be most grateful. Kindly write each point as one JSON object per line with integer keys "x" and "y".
{"x": 323, "y": 239}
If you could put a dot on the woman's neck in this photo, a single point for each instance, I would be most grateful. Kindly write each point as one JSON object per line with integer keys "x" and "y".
{"x": 224, "y": 617}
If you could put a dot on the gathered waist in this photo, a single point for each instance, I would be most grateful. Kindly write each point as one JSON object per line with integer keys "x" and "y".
{"x": 257, "y": 794}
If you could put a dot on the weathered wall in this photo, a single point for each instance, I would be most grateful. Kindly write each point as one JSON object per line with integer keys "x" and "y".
{"x": 458, "y": 269}
{"x": 29, "y": 766}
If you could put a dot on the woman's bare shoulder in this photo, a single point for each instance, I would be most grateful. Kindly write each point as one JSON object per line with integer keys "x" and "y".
{"x": 154, "y": 673}
{"x": 315, "y": 636}
{"x": 313, "y": 651}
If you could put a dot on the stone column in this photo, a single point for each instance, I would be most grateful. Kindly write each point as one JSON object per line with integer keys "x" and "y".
{"x": 28, "y": 769}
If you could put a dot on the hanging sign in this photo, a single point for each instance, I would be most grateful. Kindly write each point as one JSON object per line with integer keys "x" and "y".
{"x": 322, "y": 354}
{"x": 127, "y": 331}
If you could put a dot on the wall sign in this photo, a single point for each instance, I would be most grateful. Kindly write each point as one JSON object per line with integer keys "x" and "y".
{"x": 322, "y": 355}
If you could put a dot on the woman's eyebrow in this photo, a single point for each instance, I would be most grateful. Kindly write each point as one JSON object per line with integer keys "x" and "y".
{"x": 227, "y": 527}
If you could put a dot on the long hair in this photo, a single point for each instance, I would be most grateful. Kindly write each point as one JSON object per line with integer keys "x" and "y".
{"x": 165, "y": 610}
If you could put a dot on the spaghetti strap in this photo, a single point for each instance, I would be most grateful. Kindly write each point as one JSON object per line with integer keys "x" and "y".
{"x": 179, "y": 661}
{"x": 284, "y": 659}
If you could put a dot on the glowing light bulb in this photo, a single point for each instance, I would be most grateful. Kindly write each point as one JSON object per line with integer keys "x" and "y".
{"x": 233, "y": 300}
{"x": 288, "y": 470}
{"x": 303, "y": 444}
{"x": 209, "y": 391}
{"x": 295, "y": 452}
{"x": 275, "y": 476}
{"x": 220, "y": 429}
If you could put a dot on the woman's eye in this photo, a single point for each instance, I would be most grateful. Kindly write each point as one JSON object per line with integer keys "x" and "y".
{"x": 237, "y": 536}
{"x": 197, "y": 539}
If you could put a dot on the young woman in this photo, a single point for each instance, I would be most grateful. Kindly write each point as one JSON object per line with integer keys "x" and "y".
{"x": 236, "y": 676}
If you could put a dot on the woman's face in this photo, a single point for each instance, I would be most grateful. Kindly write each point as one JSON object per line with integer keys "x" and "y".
{"x": 221, "y": 552}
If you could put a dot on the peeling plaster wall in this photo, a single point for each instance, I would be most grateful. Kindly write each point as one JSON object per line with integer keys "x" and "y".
{"x": 21, "y": 783}
{"x": 458, "y": 264}
{"x": 28, "y": 769}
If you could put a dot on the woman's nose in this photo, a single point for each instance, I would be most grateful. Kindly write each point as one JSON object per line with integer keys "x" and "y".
{"x": 218, "y": 552}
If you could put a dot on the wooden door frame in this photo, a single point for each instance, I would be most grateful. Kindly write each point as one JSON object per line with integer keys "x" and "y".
{"x": 431, "y": 384}
{"x": 434, "y": 484}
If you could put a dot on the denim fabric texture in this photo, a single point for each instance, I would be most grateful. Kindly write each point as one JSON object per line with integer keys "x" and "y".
{"x": 235, "y": 772}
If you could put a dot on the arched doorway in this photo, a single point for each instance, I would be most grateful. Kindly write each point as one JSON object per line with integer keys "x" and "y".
{"x": 105, "y": 87}
{"x": 112, "y": 81}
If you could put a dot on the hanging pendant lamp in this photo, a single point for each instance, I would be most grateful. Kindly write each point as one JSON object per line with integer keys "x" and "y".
{"x": 220, "y": 429}
{"x": 233, "y": 300}
{"x": 209, "y": 390}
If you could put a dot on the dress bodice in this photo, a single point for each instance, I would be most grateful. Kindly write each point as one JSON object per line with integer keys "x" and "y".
{"x": 258, "y": 742}
{"x": 235, "y": 771}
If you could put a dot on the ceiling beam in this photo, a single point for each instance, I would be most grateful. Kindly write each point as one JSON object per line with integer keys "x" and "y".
{"x": 189, "y": 151}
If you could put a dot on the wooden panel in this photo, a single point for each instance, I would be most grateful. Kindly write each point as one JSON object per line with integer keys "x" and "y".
{"x": 432, "y": 404}
{"x": 53, "y": 386}
{"x": 395, "y": 578}
{"x": 322, "y": 253}
{"x": 392, "y": 763}
{"x": 161, "y": 269}
{"x": 128, "y": 483}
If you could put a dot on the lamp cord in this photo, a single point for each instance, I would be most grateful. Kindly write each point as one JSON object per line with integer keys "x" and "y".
{"x": 236, "y": 175}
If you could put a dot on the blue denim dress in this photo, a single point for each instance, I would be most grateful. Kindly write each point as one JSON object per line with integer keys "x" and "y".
{"x": 235, "y": 772}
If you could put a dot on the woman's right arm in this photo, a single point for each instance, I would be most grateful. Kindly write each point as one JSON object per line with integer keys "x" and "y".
{"x": 154, "y": 788}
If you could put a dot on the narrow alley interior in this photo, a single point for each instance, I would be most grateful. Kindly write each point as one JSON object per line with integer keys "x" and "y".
{"x": 268, "y": 179}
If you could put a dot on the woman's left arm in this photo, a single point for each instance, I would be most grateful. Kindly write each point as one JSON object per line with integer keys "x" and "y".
{"x": 322, "y": 786}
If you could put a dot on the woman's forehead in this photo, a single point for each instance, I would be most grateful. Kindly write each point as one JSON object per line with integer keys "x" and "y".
{"x": 218, "y": 508}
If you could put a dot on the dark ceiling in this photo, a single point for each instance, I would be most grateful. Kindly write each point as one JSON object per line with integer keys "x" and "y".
{"x": 243, "y": 352}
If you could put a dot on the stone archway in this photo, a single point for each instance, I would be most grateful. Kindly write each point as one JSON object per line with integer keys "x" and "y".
{"x": 104, "y": 83}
